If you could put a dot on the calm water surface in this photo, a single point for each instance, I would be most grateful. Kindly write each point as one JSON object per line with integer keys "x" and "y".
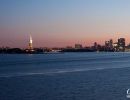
{"x": 67, "y": 76}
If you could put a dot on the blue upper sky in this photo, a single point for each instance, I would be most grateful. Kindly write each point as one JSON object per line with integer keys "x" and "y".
{"x": 63, "y": 22}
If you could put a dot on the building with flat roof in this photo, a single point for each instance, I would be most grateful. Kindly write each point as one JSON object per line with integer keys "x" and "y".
{"x": 121, "y": 44}
{"x": 78, "y": 46}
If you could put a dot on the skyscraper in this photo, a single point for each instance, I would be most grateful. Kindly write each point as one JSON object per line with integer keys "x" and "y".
{"x": 30, "y": 43}
{"x": 121, "y": 44}
{"x": 109, "y": 45}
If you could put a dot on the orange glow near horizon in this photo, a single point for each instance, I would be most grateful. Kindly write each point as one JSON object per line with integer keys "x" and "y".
{"x": 61, "y": 41}
{"x": 60, "y": 24}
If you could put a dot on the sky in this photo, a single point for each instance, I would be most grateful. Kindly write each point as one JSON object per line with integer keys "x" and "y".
{"x": 60, "y": 23}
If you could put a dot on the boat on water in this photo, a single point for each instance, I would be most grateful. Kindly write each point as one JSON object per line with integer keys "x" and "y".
{"x": 128, "y": 93}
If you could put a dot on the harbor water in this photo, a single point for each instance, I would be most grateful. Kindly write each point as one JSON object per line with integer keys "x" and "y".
{"x": 65, "y": 76}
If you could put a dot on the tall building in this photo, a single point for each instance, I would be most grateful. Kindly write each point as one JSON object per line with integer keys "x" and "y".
{"x": 121, "y": 44}
{"x": 95, "y": 47}
{"x": 109, "y": 45}
{"x": 30, "y": 43}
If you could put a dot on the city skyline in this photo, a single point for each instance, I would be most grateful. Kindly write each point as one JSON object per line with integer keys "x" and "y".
{"x": 60, "y": 23}
{"x": 110, "y": 42}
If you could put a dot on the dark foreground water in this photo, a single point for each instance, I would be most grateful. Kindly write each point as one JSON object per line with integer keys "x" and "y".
{"x": 67, "y": 76}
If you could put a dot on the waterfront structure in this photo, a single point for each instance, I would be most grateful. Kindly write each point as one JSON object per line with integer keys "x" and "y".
{"x": 127, "y": 48}
{"x": 115, "y": 46}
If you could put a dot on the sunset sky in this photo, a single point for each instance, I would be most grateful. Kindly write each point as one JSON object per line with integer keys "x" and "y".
{"x": 60, "y": 23}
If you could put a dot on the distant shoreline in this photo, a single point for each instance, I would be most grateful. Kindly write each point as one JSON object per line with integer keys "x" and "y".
{"x": 55, "y": 50}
